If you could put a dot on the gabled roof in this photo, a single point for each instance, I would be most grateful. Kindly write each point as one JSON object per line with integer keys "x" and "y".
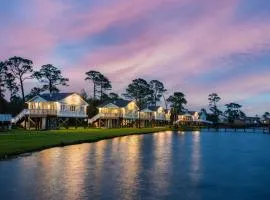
{"x": 55, "y": 96}
{"x": 119, "y": 103}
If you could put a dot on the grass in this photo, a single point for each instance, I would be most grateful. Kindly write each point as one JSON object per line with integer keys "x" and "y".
{"x": 16, "y": 142}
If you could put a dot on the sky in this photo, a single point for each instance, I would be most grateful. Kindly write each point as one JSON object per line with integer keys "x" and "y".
{"x": 193, "y": 46}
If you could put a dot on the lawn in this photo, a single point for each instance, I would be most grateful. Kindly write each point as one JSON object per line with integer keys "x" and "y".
{"x": 22, "y": 141}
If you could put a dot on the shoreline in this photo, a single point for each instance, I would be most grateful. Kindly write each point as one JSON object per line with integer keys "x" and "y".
{"x": 104, "y": 135}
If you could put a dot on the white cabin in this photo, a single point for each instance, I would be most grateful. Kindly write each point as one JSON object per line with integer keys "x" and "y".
{"x": 124, "y": 113}
{"x": 48, "y": 109}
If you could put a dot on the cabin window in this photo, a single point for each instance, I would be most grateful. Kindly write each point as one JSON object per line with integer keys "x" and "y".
{"x": 63, "y": 107}
{"x": 81, "y": 109}
{"x": 72, "y": 108}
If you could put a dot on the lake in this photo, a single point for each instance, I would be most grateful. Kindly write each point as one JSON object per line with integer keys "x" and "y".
{"x": 166, "y": 165}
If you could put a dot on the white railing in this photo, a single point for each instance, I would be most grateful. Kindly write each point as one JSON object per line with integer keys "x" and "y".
{"x": 79, "y": 114}
{"x": 131, "y": 115}
{"x": 20, "y": 116}
{"x": 110, "y": 115}
{"x": 160, "y": 118}
{"x": 42, "y": 112}
{"x": 90, "y": 121}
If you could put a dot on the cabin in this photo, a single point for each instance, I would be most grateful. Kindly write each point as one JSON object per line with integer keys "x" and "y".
{"x": 192, "y": 118}
{"x": 125, "y": 113}
{"x": 188, "y": 117}
{"x": 155, "y": 116}
{"x": 50, "y": 111}
{"x": 116, "y": 113}
{"x": 5, "y": 122}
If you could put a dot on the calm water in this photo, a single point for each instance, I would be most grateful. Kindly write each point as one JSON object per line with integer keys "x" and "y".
{"x": 166, "y": 165}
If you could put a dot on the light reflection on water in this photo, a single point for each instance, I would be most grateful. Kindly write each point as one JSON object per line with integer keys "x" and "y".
{"x": 167, "y": 165}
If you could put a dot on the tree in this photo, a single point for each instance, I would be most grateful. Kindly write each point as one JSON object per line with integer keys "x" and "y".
{"x": 158, "y": 90}
{"x": 15, "y": 106}
{"x": 84, "y": 94}
{"x": 233, "y": 112}
{"x": 266, "y": 116}
{"x": 34, "y": 92}
{"x": 21, "y": 69}
{"x": 104, "y": 84}
{"x": 177, "y": 102}
{"x": 11, "y": 85}
{"x": 113, "y": 96}
{"x": 213, "y": 100}
{"x": 139, "y": 90}
{"x": 93, "y": 76}
{"x": 3, "y": 71}
{"x": 51, "y": 77}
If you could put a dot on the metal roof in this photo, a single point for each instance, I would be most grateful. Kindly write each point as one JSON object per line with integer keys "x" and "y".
{"x": 119, "y": 103}
{"x": 55, "y": 96}
{"x": 5, "y": 117}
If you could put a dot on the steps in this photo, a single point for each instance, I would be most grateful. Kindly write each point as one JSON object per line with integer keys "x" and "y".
{"x": 17, "y": 118}
{"x": 93, "y": 119}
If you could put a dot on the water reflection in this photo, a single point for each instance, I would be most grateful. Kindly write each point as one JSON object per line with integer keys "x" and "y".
{"x": 129, "y": 171}
{"x": 162, "y": 161}
{"x": 159, "y": 166}
{"x": 195, "y": 166}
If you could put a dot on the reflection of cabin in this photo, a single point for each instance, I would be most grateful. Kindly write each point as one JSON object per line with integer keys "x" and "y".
{"x": 5, "y": 121}
{"x": 47, "y": 111}
{"x": 124, "y": 113}
{"x": 116, "y": 113}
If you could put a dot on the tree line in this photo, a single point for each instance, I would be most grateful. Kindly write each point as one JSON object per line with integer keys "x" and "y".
{"x": 15, "y": 71}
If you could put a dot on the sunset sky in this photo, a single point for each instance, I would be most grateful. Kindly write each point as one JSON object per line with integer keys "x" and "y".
{"x": 193, "y": 46}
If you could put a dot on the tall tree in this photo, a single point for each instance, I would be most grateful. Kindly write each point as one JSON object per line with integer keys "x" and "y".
{"x": 11, "y": 85}
{"x": 104, "y": 84}
{"x": 84, "y": 94}
{"x": 51, "y": 77}
{"x": 34, "y": 92}
{"x": 266, "y": 115}
{"x": 139, "y": 90}
{"x": 93, "y": 76}
{"x": 158, "y": 90}
{"x": 113, "y": 96}
{"x": 213, "y": 100}
{"x": 3, "y": 72}
{"x": 177, "y": 102}
{"x": 233, "y": 112}
{"x": 21, "y": 69}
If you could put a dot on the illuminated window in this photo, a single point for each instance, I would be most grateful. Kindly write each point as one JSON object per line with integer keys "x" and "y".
{"x": 32, "y": 106}
{"x": 72, "y": 108}
{"x": 63, "y": 107}
{"x": 81, "y": 109}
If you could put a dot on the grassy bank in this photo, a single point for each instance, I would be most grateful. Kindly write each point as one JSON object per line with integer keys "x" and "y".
{"x": 16, "y": 142}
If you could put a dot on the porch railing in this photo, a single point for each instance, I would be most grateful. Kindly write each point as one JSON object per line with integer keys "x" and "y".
{"x": 42, "y": 112}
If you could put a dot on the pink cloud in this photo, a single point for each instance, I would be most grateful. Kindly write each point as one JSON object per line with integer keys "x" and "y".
{"x": 170, "y": 49}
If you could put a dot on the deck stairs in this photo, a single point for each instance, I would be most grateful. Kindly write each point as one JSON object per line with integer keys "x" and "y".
{"x": 20, "y": 116}
{"x": 93, "y": 119}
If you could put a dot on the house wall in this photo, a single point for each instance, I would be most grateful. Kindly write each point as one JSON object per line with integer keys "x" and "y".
{"x": 72, "y": 106}
{"x": 112, "y": 111}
